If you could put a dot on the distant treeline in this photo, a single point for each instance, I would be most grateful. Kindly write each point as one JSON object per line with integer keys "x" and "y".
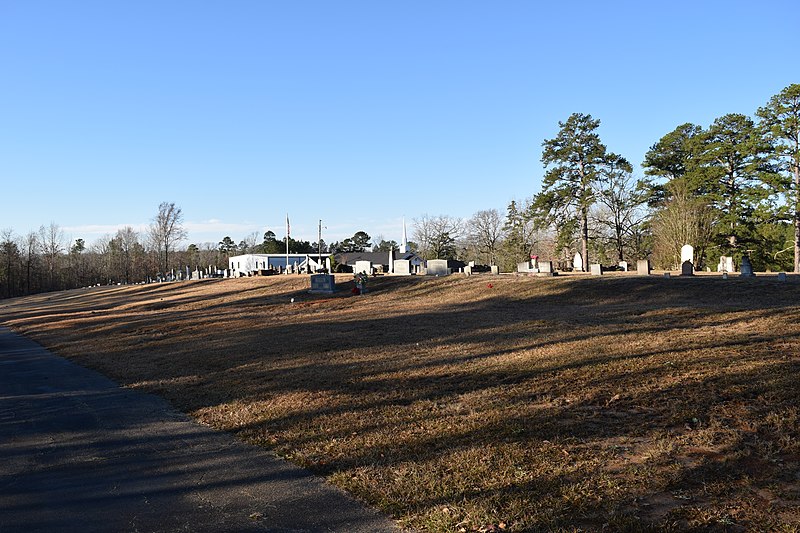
{"x": 732, "y": 189}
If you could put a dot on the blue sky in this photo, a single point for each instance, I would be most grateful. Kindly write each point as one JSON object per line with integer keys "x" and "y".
{"x": 356, "y": 113}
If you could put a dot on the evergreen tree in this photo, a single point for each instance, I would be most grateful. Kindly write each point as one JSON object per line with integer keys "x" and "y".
{"x": 737, "y": 177}
{"x": 226, "y": 245}
{"x": 780, "y": 122}
{"x": 674, "y": 157}
{"x": 576, "y": 163}
{"x": 271, "y": 245}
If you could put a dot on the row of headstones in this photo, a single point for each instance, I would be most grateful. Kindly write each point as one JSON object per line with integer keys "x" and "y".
{"x": 203, "y": 273}
{"x": 434, "y": 267}
{"x": 440, "y": 267}
{"x": 725, "y": 264}
{"x": 178, "y": 275}
{"x": 687, "y": 269}
{"x": 493, "y": 269}
{"x": 403, "y": 267}
{"x": 577, "y": 264}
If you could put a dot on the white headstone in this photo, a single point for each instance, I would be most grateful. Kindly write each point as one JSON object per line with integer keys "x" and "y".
{"x": 687, "y": 253}
{"x": 437, "y": 267}
{"x": 577, "y": 262}
{"x": 402, "y": 267}
{"x": 725, "y": 264}
{"x": 596, "y": 269}
{"x": 623, "y": 265}
{"x": 643, "y": 267}
{"x": 546, "y": 267}
{"x": 363, "y": 266}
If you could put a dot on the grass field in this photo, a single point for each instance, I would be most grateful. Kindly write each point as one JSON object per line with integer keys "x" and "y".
{"x": 619, "y": 403}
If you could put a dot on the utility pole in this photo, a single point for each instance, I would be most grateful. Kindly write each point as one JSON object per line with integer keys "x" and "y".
{"x": 319, "y": 243}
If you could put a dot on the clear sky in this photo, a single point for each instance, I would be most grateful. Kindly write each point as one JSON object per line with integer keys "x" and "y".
{"x": 356, "y": 113}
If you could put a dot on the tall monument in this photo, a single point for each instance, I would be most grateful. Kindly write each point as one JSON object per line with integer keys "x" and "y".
{"x": 404, "y": 243}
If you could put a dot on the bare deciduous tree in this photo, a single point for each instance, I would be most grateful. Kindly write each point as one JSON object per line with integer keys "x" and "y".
{"x": 685, "y": 219}
{"x": 166, "y": 231}
{"x": 622, "y": 212}
{"x": 127, "y": 240}
{"x": 485, "y": 232}
{"x": 436, "y": 236}
{"x": 30, "y": 245}
{"x": 51, "y": 242}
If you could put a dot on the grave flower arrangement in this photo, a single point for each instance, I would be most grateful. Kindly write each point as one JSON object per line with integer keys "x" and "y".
{"x": 361, "y": 281}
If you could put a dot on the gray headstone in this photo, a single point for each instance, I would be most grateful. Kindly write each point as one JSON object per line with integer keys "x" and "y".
{"x": 643, "y": 267}
{"x": 437, "y": 267}
{"x": 322, "y": 284}
{"x": 687, "y": 268}
{"x": 577, "y": 262}
{"x": 666, "y": 274}
{"x": 597, "y": 269}
{"x": 687, "y": 253}
{"x": 402, "y": 267}
{"x": 363, "y": 266}
{"x": 781, "y": 276}
{"x": 495, "y": 270}
{"x": 724, "y": 275}
{"x": 747, "y": 268}
{"x": 546, "y": 267}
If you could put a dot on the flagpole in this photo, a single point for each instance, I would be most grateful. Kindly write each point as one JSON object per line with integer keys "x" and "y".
{"x": 287, "y": 243}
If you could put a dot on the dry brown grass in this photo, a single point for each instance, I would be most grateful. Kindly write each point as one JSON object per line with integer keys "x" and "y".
{"x": 620, "y": 403}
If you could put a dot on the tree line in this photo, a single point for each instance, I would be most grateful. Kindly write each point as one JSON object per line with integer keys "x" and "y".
{"x": 729, "y": 189}
{"x": 43, "y": 261}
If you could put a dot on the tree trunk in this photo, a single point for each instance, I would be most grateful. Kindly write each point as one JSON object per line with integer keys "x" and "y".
{"x": 797, "y": 219}
{"x": 585, "y": 238}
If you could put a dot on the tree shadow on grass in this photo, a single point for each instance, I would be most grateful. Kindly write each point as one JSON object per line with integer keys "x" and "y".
{"x": 344, "y": 384}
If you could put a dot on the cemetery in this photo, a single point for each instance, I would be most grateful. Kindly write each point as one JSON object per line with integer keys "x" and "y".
{"x": 532, "y": 388}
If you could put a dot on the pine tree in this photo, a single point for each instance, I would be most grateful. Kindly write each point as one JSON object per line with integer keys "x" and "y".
{"x": 576, "y": 163}
{"x": 780, "y": 121}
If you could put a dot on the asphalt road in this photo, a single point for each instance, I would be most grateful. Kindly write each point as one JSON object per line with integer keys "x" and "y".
{"x": 80, "y": 453}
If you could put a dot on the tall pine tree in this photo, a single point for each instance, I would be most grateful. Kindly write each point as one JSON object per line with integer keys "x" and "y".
{"x": 780, "y": 120}
{"x": 577, "y": 163}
